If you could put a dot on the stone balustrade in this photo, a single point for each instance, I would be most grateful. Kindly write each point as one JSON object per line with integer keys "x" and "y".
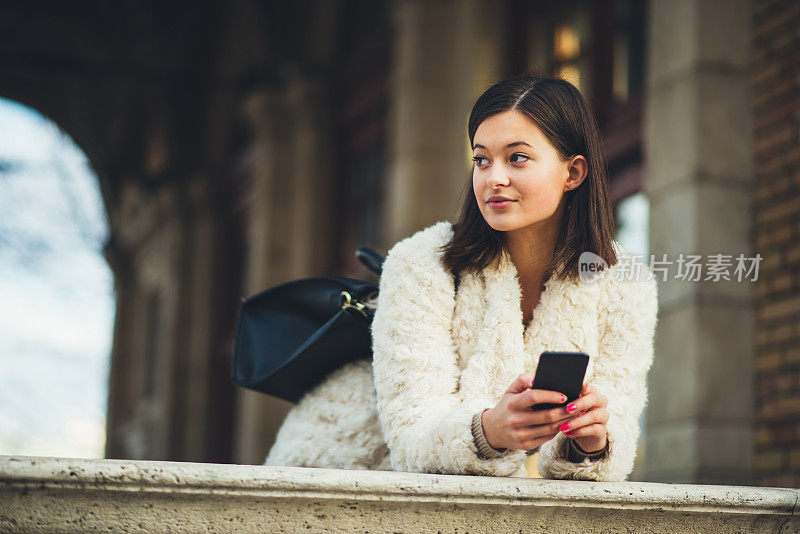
{"x": 40, "y": 494}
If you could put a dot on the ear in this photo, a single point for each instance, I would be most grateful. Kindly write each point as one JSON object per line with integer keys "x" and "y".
{"x": 578, "y": 169}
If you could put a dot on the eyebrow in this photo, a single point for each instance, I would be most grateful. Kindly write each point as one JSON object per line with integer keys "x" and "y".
{"x": 515, "y": 143}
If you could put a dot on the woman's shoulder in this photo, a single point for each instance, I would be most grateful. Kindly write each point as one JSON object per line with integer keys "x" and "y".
{"x": 422, "y": 249}
{"x": 413, "y": 278}
{"x": 425, "y": 240}
{"x": 629, "y": 284}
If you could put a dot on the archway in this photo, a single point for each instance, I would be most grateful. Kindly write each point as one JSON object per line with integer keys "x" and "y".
{"x": 56, "y": 292}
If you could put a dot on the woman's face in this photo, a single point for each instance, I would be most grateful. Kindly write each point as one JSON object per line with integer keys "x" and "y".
{"x": 514, "y": 159}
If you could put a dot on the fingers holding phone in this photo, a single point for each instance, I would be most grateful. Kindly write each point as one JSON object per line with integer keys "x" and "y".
{"x": 589, "y": 427}
{"x": 533, "y": 412}
{"x": 512, "y": 424}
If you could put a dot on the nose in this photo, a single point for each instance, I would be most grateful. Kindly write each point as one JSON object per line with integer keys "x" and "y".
{"x": 497, "y": 177}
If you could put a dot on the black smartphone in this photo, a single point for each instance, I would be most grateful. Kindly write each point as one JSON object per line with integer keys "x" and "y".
{"x": 562, "y": 372}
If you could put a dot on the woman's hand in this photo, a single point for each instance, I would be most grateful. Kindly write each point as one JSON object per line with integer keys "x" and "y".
{"x": 589, "y": 428}
{"x": 513, "y": 425}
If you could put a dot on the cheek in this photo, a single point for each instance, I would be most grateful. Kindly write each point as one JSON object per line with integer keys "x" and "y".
{"x": 547, "y": 193}
{"x": 541, "y": 196}
{"x": 546, "y": 183}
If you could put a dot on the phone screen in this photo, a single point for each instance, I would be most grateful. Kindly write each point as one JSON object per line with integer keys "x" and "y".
{"x": 562, "y": 372}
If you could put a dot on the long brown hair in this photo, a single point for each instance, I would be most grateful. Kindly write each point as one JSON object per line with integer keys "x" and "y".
{"x": 561, "y": 113}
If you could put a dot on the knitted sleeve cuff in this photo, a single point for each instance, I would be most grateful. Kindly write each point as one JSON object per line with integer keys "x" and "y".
{"x": 485, "y": 451}
{"x": 577, "y": 455}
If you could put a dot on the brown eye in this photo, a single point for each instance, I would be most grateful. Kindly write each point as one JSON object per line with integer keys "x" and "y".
{"x": 520, "y": 155}
{"x": 476, "y": 158}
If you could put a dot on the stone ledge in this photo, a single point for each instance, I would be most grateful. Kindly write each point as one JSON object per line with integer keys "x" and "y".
{"x": 40, "y": 494}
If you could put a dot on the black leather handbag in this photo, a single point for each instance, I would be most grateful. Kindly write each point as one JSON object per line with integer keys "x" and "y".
{"x": 291, "y": 336}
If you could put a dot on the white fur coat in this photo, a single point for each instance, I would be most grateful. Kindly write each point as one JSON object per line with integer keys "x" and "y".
{"x": 440, "y": 357}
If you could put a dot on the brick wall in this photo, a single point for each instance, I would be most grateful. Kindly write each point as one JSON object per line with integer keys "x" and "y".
{"x": 776, "y": 97}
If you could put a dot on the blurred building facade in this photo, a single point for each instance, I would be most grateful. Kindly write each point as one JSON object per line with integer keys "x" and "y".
{"x": 245, "y": 143}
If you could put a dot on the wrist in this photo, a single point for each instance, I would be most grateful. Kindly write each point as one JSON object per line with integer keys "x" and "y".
{"x": 486, "y": 425}
{"x": 484, "y": 428}
{"x": 485, "y": 450}
{"x": 576, "y": 454}
{"x": 591, "y": 444}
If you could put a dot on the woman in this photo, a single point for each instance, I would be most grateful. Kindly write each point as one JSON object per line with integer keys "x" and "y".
{"x": 450, "y": 384}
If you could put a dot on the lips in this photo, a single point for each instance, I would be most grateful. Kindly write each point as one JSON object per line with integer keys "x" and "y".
{"x": 498, "y": 198}
{"x": 500, "y": 204}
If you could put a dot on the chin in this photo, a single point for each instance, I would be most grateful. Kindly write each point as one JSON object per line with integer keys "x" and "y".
{"x": 500, "y": 225}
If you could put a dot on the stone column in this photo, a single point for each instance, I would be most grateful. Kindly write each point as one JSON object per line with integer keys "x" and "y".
{"x": 258, "y": 416}
{"x": 148, "y": 254}
{"x": 192, "y": 396}
{"x": 158, "y": 259}
{"x": 446, "y": 53}
{"x": 309, "y": 218}
{"x": 698, "y": 147}
{"x": 287, "y": 230}
{"x": 121, "y": 395}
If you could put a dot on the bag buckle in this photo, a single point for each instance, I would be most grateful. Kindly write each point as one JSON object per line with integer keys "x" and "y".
{"x": 347, "y": 301}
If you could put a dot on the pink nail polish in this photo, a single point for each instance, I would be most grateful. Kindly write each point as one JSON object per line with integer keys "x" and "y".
{"x": 571, "y": 408}
{"x": 569, "y": 433}
{"x": 564, "y": 426}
